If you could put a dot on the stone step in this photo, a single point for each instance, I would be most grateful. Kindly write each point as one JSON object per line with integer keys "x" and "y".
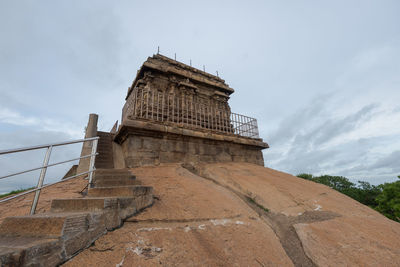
{"x": 120, "y": 191}
{"x": 113, "y": 173}
{"x": 100, "y": 133}
{"x": 115, "y": 182}
{"x": 105, "y": 165}
{"x": 106, "y": 151}
{"x": 48, "y": 225}
{"x": 103, "y": 161}
{"x": 104, "y": 156}
{"x": 29, "y": 251}
{"x": 105, "y": 145}
{"x": 109, "y": 206}
{"x": 125, "y": 206}
{"x": 83, "y": 204}
{"x": 108, "y": 171}
{"x": 73, "y": 232}
{"x": 114, "y": 177}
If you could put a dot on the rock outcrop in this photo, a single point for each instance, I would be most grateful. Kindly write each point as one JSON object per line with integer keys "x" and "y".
{"x": 241, "y": 214}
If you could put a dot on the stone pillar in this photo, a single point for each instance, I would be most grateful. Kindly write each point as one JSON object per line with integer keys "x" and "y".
{"x": 91, "y": 131}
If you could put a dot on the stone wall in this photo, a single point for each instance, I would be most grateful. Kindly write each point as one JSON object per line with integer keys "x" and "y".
{"x": 148, "y": 143}
{"x": 142, "y": 150}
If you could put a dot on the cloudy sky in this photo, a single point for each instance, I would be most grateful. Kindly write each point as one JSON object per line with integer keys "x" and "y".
{"x": 321, "y": 77}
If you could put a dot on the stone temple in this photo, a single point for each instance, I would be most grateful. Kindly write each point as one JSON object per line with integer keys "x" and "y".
{"x": 213, "y": 204}
{"x": 177, "y": 113}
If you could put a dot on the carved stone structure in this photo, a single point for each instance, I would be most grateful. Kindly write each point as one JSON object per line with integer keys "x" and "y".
{"x": 176, "y": 113}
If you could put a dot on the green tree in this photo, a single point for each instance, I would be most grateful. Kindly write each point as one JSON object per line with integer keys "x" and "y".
{"x": 366, "y": 193}
{"x": 339, "y": 183}
{"x": 389, "y": 200}
{"x": 306, "y": 176}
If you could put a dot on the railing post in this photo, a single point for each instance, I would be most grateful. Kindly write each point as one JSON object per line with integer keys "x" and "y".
{"x": 41, "y": 179}
{"x": 92, "y": 158}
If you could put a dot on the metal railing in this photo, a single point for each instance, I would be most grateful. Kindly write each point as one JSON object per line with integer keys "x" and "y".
{"x": 46, "y": 164}
{"x": 244, "y": 125}
{"x": 186, "y": 110}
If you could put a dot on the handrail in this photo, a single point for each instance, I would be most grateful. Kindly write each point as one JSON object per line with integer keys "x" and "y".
{"x": 46, "y": 164}
{"x": 7, "y": 151}
{"x": 44, "y": 186}
{"x": 49, "y": 165}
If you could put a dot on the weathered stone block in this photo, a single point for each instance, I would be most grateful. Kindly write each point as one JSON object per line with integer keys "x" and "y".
{"x": 135, "y": 142}
{"x": 181, "y": 146}
{"x": 193, "y": 148}
{"x": 211, "y": 149}
{"x": 131, "y": 162}
{"x": 223, "y": 157}
{"x": 238, "y": 159}
{"x": 151, "y": 144}
{"x": 191, "y": 158}
{"x": 166, "y": 145}
{"x": 207, "y": 158}
{"x": 149, "y": 161}
{"x": 171, "y": 157}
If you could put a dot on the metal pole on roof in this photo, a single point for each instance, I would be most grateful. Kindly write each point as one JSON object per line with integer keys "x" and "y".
{"x": 217, "y": 73}
{"x": 158, "y": 50}
{"x": 204, "y": 68}
{"x": 190, "y": 63}
{"x": 175, "y": 56}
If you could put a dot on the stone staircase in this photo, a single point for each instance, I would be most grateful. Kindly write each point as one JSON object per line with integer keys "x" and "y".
{"x": 52, "y": 238}
{"x": 105, "y": 158}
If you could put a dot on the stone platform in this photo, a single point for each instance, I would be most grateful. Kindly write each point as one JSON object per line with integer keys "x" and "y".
{"x": 151, "y": 143}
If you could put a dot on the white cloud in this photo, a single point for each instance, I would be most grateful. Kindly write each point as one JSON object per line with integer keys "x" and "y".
{"x": 383, "y": 123}
{"x": 325, "y": 143}
{"x": 8, "y": 116}
{"x": 12, "y": 117}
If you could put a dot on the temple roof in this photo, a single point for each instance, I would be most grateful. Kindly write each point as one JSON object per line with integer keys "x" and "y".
{"x": 169, "y": 66}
